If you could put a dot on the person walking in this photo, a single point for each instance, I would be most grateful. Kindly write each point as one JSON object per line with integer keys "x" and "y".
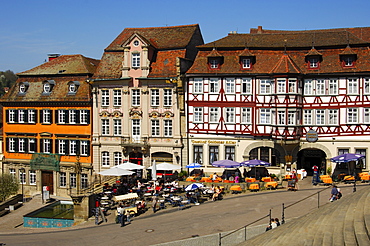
{"x": 315, "y": 177}
{"x": 154, "y": 202}
{"x": 334, "y": 193}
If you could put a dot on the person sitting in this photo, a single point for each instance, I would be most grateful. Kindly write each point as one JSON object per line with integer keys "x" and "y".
{"x": 216, "y": 194}
{"x": 277, "y": 222}
{"x": 231, "y": 178}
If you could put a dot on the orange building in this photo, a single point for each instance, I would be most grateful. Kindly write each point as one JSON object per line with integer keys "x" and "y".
{"x": 47, "y": 126}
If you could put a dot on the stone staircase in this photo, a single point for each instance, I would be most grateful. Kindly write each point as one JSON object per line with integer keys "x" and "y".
{"x": 342, "y": 222}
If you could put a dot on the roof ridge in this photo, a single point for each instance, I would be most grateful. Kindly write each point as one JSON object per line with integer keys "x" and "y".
{"x": 142, "y": 28}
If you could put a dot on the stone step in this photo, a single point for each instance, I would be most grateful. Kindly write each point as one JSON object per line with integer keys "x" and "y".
{"x": 361, "y": 232}
{"x": 366, "y": 214}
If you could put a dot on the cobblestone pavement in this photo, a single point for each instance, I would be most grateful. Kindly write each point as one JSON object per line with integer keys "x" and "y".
{"x": 171, "y": 224}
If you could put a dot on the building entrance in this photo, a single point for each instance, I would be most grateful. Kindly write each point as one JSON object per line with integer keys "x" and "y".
{"x": 47, "y": 180}
{"x": 307, "y": 158}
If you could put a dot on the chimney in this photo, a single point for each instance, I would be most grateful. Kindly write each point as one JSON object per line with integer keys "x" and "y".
{"x": 259, "y": 30}
{"x": 52, "y": 56}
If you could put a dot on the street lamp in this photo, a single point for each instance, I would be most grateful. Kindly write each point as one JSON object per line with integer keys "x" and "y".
{"x": 22, "y": 170}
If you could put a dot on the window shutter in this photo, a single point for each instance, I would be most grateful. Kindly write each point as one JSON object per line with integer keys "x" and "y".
{"x": 78, "y": 147}
{"x": 16, "y": 116}
{"x": 51, "y": 116}
{"x": 26, "y": 140}
{"x": 7, "y": 144}
{"x": 16, "y": 143}
{"x": 88, "y": 148}
{"x": 88, "y": 116}
{"x": 33, "y": 146}
{"x": 67, "y": 147}
{"x": 78, "y": 113}
{"x": 26, "y": 115}
{"x": 41, "y": 116}
{"x": 7, "y": 116}
{"x": 66, "y": 113}
{"x": 57, "y": 116}
{"x": 51, "y": 146}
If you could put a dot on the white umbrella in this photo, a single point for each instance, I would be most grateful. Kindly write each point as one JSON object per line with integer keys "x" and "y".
{"x": 130, "y": 166}
{"x": 194, "y": 186}
{"x": 165, "y": 166}
{"x": 154, "y": 171}
{"x": 114, "y": 171}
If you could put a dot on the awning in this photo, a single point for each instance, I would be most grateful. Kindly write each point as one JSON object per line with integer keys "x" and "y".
{"x": 125, "y": 197}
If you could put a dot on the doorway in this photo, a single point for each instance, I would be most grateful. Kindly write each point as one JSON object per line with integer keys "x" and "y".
{"x": 47, "y": 180}
{"x": 307, "y": 158}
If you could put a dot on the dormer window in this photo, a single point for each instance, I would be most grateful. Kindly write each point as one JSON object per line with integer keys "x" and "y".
{"x": 313, "y": 62}
{"x": 135, "y": 60}
{"x": 246, "y": 59}
{"x": 73, "y": 87}
{"x": 348, "y": 61}
{"x": 246, "y": 63}
{"x": 348, "y": 57}
{"x": 313, "y": 59}
{"x": 214, "y": 63}
{"x": 215, "y": 59}
{"x": 48, "y": 87}
{"x": 23, "y": 87}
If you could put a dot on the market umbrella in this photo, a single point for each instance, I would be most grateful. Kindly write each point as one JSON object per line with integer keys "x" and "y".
{"x": 226, "y": 164}
{"x": 130, "y": 166}
{"x": 194, "y": 186}
{"x": 255, "y": 162}
{"x": 165, "y": 166}
{"x": 347, "y": 158}
{"x": 193, "y": 165}
{"x": 114, "y": 171}
{"x": 154, "y": 171}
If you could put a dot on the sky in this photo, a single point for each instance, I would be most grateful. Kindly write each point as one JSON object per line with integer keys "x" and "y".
{"x": 31, "y": 29}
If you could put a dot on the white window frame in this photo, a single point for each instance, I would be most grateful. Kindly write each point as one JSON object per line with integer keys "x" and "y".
{"x": 230, "y": 86}
{"x": 281, "y": 85}
{"x": 214, "y": 115}
{"x": 72, "y": 116}
{"x": 366, "y": 86}
{"x": 61, "y": 116}
{"x": 84, "y": 146}
{"x": 332, "y": 116}
{"x": 246, "y": 63}
{"x": 22, "y": 177}
{"x": 292, "y": 85}
{"x": 21, "y": 145}
{"x": 246, "y": 115}
{"x": 333, "y": 87}
{"x": 154, "y": 102}
{"x": 105, "y": 98}
{"x": 11, "y": 145}
{"x": 12, "y": 172}
{"x": 214, "y": 63}
{"x": 348, "y": 61}
{"x": 21, "y": 116}
{"x": 247, "y": 86}
{"x": 135, "y": 60}
{"x": 72, "y": 180}
{"x": 198, "y": 86}
{"x": 61, "y": 146}
{"x": 198, "y": 115}
{"x": 320, "y": 116}
{"x": 46, "y": 116}
{"x": 135, "y": 130}
{"x": 352, "y": 86}
{"x": 72, "y": 147}
{"x": 265, "y": 116}
{"x": 155, "y": 128}
{"x": 11, "y": 115}
{"x": 84, "y": 180}
{"x": 314, "y": 62}
{"x": 320, "y": 87}
{"x": 214, "y": 85}
{"x": 366, "y": 115}
{"x": 352, "y": 115}
{"x": 117, "y": 127}
{"x": 30, "y": 142}
{"x": 105, "y": 159}
{"x": 265, "y": 86}
{"x": 105, "y": 127}
{"x": 167, "y": 125}
{"x": 84, "y": 116}
{"x": 281, "y": 117}
{"x": 229, "y": 115}
{"x": 32, "y": 177}
{"x": 46, "y": 143}
{"x": 31, "y": 116}
{"x": 308, "y": 87}
{"x": 117, "y": 158}
{"x": 135, "y": 97}
{"x": 167, "y": 98}
{"x": 307, "y": 117}
{"x": 117, "y": 97}
{"x": 291, "y": 118}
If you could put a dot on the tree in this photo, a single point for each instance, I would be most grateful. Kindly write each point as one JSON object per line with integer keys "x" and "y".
{"x": 9, "y": 185}
{"x": 7, "y": 79}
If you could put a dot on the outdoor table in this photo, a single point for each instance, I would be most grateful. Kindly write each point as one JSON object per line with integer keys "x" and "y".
{"x": 288, "y": 176}
{"x": 349, "y": 177}
{"x": 266, "y": 179}
{"x": 250, "y": 180}
{"x": 254, "y": 187}
{"x": 327, "y": 180}
{"x": 271, "y": 184}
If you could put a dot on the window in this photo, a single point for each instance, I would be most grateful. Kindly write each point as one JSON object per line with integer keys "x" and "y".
{"x": 22, "y": 176}
{"x": 46, "y": 116}
{"x": 135, "y": 60}
{"x": 167, "y": 128}
{"x": 198, "y": 154}
{"x": 213, "y": 85}
{"x": 213, "y": 154}
{"x": 12, "y": 114}
{"x": 11, "y": 146}
{"x": 61, "y": 146}
{"x": 105, "y": 98}
{"x": 348, "y": 61}
{"x": 343, "y": 151}
{"x": 308, "y": 87}
{"x": 213, "y": 115}
{"x": 72, "y": 180}
{"x": 366, "y": 115}
{"x": 31, "y": 145}
{"x": 155, "y": 98}
{"x": 214, "y": 63}
{"x": 117, "y": 158}
{"x": 246, "y": 63}
{"x": 62, "y": 179}
{"x": 320, "y": 87}
{"x": 117, "y": 98}
{"x": 352, "y": 85}
{"x": 291, "y": 117}
{"x": 229, "y": 115}
{"x": 230, "y": 153}
{"x": 12, "y": 172}
{"x": 198, "y": 115}
{"x": 22, "y": 88}
{"x": 84, "y": 116}
{"x": 198, "y": 86}
{"x": 292, "y": 85}
{"x": 31, "y": 116}
{"x": 265, "y": 116}
{"x": 367, "y": 86}
{"x": 313, "y": 62}
{"x": 135, "y": 96}
{"x": 352, "y": 115}
{"x": 265, "y": 86}
{"x": 105, "y": 159}
{"x": 246, "y": 86}
{"x": 281, "y": 117}
{"x": 136, "y": 43}
{"x": 61, "y": 116}
{"x": 46, "y": 146}
{"x": 47, "y": 88}
{"x": 117, "y": 127}
{"x": 281, "y": 85}
{"x": 320, "y": 117}
{"x": 84, "y": 148}
{"x": 246, "y": 117}
{"x": 155, "y": 128}
{"x": 105, "y": 127}
{"x": 21, "y": 145}
{"x": 333, "y": 87}
{"x": 362, "y": 162}
{"x": 32, "y": 177}
{"x": 21, "y": 116}
{"x": 84, "y": 181}
{"x": 333, "y": 116}
{"x": 167, "y": 98}
{"x": 72, "y": 116}
{"x": 73, "y": 147}
{"x": 72, "y": 88}
{"x": 136, "y": 129}
{"x": 230, "y": 86}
